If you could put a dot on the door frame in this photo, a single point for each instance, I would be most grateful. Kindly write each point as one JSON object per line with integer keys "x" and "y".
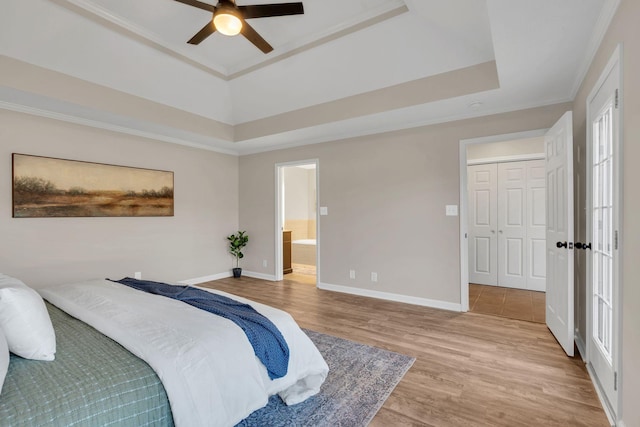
{"x": 464, "y": 214}
{"x": 615, "y": 60}
{"x": 279, "y": 225}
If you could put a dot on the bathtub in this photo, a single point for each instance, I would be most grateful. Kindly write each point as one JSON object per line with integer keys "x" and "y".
{"x": 303, "y": 251}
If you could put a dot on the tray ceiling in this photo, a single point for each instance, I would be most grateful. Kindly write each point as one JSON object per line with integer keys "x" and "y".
{"x": 343, "y": 68}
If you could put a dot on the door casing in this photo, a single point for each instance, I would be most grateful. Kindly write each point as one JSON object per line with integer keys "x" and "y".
{"x": 279, "y": 225}
{"x": 464, "y": 209}
{"x": 615, "y": 61}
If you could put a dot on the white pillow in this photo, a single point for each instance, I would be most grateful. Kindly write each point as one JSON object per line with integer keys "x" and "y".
{"x": 4, "y": 358}
{"x": 25, "y": 321}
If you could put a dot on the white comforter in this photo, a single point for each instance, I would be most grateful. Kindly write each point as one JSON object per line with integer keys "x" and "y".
{"x": 206, "y": 363}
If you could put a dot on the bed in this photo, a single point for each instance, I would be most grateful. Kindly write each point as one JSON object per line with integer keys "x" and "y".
{"x": 125, "y": 357}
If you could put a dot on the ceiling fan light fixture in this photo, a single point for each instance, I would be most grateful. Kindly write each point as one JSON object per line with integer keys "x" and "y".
{"x": 227, "y": 21}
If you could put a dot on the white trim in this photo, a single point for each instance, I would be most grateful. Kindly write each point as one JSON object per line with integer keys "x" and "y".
{"x": 367, "y": 19}
{"x": 598, "y": 32}
{"x": 156, "y": 40}
{"x": 279, "y": 167}
{"x": 603, "y": 401}
{"x": 218, "y": 276}
{"x": 464, "y": 215}
{"x": 616, "y": 59}
{"x": 536, "y": 133}
{"x": 582, "y": 349}
{"x": 209, "y": 278}
{"x": 464, "y": 230}
{"x": 385, "y": 126}
{"x": 279, "y": 225}
{"x": 19, "y": 108}
{"x": 425, "y": 302}
{"x": 256, "y": 275}
{"x": 506, "y": 159}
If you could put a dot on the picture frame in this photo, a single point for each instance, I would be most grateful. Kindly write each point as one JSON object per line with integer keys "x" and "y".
{"x": 46, "y": 187}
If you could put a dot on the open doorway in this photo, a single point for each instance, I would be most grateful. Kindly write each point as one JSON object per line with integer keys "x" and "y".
{"x": 505, "y": 216}
{"x": 298, "y": 221}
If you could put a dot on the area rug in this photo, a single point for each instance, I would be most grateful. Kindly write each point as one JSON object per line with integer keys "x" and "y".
{"x": 360, "y": 379}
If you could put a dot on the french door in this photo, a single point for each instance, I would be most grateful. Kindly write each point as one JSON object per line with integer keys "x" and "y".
{"x": 602, "y": 223}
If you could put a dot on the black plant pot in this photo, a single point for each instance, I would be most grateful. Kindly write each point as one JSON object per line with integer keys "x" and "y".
{"x": 237, "y": 272}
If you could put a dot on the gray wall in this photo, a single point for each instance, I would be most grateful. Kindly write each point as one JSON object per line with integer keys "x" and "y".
{"x": 623, "y": 29}
{"x": 386, "y": 196}
{"x": 55, "y": 250}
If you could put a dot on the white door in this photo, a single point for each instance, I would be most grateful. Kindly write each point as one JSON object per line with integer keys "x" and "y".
{"x": 512, "y": 188}
{"x": 521, "y": 225}
{"x": 602, "y": 220}
{"x": 536, "y": 262}
{"x": 559, "y": 235}
{"x": 482, "y": 224}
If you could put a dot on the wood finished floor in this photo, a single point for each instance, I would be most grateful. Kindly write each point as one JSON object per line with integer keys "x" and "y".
{"x": 470, "y": 370}
{"x": 517, "y": 304}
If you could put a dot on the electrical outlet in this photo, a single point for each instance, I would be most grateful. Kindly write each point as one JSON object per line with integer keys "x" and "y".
{"x": 137, "y": 275}
{"x": 374, "y": 277}
{"x": 352, "y": 274}
{"x": 264, "y": 262}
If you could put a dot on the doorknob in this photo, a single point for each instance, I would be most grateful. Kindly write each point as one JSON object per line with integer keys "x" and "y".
{"x": 584, "y": 246}
{"x": 561, "y": 244}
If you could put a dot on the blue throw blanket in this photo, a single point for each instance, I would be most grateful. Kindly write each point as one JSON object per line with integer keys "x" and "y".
{"x": 268, "y": 343}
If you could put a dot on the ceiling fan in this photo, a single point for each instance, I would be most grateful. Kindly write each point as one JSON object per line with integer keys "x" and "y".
{"x": 230, "y": 19}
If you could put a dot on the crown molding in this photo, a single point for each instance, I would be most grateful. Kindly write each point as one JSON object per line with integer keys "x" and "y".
{"x": 370, "y": 18}
{"x": 607, "y": 13}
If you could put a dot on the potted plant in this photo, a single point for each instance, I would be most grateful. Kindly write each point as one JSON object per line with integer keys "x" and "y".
{"x": 236, "y": 243}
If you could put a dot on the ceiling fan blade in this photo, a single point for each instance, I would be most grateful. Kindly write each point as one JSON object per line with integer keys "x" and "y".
{"x": 255, "y": 38}
{"x": 267, "y": 10}
{"x": 198, "y": 4}
{"x": 205, "y": 32}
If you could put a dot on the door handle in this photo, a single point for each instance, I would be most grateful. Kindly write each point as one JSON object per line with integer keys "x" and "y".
{"x": 583, "y": 246}
{"x": 561, "y": 244}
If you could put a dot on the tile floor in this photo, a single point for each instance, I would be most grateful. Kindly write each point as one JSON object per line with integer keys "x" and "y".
{"x": 302, "y": 274}
{"x": 517, "y": 304}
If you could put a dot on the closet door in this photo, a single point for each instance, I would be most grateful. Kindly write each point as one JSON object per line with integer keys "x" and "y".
{"x": 521, "y": 225}
{"x": 512, "y": 189}
{"x": 483, "y": 260}
{"x": 536, "y": 226}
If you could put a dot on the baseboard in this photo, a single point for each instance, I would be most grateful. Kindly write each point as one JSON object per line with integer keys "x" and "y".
{"x": 391, "y": 297}
{"x": 198, "y": 280}
{"x": 603, "y": 401}
{"x": 269, "y": 277}
{"x": 582, "y": 348}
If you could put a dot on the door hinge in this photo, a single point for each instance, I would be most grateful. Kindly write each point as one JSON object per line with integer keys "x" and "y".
{"x": 617, "y": 99}
{"x": 615, "y": 381}
{"x": 615, "y": 240}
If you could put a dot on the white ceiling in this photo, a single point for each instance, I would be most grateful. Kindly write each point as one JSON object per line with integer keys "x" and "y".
{"x": 337, "y": 51}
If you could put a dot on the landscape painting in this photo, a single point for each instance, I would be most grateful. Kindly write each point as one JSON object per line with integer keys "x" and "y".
{"x": 49, "y": 187}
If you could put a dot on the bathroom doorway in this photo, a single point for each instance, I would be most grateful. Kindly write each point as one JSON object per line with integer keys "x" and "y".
{"x": 298, "y": 221}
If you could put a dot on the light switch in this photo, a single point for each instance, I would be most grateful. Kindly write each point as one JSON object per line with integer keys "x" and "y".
{"x": 324, "y": 210}
{"x": 452, "y": 210}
